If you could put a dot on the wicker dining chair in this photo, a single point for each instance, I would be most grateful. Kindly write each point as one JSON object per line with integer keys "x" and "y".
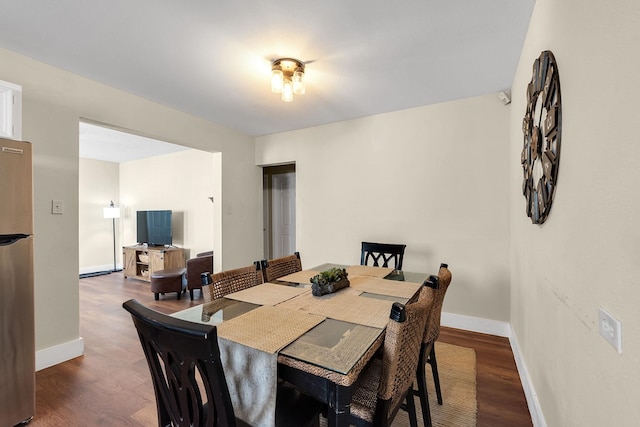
{"x": 278, "y": 267}
{"x": 382, "y": 253}
{"x": 226, "y": 282}
{"x": 189, "y": 380}
{"x": 387, "y": 382}
{"x": 431, "y": 333}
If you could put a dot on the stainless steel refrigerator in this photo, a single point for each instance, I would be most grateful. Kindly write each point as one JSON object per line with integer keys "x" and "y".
{"x": 17, "y": 335}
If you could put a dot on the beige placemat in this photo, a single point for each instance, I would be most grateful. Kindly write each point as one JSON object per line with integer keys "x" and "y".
{"x": 268, "y": 328}
{"x": 267, "y": 294}
{"x": 344, "y": 305}
{"x": 376, "y": 285}
{"x": 365, "y": 270}
{"x": 299, "y": 277}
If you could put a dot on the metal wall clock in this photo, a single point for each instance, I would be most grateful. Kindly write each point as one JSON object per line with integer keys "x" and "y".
{"x": 542, "y": 126}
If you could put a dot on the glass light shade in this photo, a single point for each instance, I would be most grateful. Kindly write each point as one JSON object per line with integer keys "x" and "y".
{"x": 298, "y": 81}
{"x": 287, "y": 91}
{"x": 111, "y": 212}
{"x": 276, "y": 79}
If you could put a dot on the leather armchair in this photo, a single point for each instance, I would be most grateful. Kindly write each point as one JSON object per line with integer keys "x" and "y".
{"x": 202, "y": 263}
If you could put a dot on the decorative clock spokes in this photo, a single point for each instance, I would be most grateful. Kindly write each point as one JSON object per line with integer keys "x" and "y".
{"x": 541, "y": 127}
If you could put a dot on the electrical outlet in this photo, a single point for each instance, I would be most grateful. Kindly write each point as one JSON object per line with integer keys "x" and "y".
{"x": 57, "y": 207}
{"x": 610, "y": 329}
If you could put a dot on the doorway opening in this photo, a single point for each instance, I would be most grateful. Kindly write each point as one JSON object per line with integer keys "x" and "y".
{"x": 279, "y": 196}
{"x": 137, "y": 173}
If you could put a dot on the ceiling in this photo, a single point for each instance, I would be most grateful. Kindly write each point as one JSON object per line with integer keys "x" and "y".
{"x": 110, "y": 145}
{"x": 212, "y": 58}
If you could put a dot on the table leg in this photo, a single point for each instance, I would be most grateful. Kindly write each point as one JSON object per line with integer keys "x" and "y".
{"x": 339, "y": 410}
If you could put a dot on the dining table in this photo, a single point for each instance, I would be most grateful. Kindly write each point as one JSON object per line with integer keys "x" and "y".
{"x": 280, "y": 331}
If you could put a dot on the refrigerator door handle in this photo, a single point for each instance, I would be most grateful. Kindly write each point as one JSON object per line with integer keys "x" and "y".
{"x": 6, "y": 240}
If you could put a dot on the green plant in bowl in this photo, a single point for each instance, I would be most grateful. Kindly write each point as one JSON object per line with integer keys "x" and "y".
{"x": 329, "y": 281}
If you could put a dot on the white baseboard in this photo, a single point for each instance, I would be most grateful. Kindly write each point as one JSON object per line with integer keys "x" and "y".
{"x": 98, "y": 268}
{"x": 59, "y": 353}
{"x": 537, "y": 417}
{"x": 501, "y": 329}
{"x": 476, "y": 324}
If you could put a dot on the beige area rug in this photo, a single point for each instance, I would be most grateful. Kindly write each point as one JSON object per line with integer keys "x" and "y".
{"x": 457, "y": 369}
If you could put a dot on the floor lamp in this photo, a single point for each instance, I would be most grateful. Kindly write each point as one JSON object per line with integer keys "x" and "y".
{"x": 112, "y": 212}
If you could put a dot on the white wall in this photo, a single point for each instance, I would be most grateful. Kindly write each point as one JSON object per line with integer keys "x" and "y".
{"x": 435, "y": 178}
{"x": 586, "y": 254}
{"x": 54, "y": 101}
{"x": 99, "y": 183}
{"x": 181, "y": 182}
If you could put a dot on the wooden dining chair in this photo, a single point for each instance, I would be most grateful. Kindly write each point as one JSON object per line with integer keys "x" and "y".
{"x": 381, "y": 254}
{"x": 427, "y": 349}
{"x": 226, "y": 282}
{"x": 188, "y": 375}
{"x": 278, "y": 267}
{"x": 387, "y": 382}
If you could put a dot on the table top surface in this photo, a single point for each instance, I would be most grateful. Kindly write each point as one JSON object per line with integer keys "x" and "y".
{"x": 354, "y": 319}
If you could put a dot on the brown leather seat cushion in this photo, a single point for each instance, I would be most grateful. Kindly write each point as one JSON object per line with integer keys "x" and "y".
{"x": 169, "y": 280}
{"x": 169, "y": 272}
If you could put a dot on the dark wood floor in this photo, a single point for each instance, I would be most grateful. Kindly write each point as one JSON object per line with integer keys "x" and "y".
{"x": 110, "y": 385}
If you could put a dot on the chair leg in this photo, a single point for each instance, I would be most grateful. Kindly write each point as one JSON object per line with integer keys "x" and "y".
{"x": 434, "y": 369}
{"x": 421, "y": 379}
{"x": 411, "y": 409}
{"x": 179, "y": 293}
{"x": 157, "y": 296}
{"x": 191, "y": 294}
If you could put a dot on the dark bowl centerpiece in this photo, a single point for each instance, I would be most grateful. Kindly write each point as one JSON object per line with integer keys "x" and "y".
{"x": 329, "y": 281}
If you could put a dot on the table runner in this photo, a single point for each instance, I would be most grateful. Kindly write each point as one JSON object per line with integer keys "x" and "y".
{"x": 365, "y": 270}
{"x": 344, "y": 305}
{"x": 267, "y": 294}
{"x": 248, "y": 349}
{"x": 376, "y": 285}
{"x": 252, "y": 380}
{"x": 303, "y": 276}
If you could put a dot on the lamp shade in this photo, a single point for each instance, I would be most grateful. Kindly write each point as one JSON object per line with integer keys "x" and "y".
{"x": 111, "y": 212}
{"x": 277, "y": 79}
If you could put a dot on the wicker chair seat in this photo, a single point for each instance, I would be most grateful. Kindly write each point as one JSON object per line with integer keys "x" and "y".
{"x": 364, "y": 399}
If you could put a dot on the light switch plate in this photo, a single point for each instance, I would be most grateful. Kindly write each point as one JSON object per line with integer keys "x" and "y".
{"x": 610, "y": 329}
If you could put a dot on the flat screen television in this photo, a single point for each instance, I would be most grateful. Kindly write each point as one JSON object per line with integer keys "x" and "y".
{"x": 154, "y": 228}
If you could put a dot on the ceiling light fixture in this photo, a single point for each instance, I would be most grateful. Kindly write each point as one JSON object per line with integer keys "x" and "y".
{"x": 287, "y": 77}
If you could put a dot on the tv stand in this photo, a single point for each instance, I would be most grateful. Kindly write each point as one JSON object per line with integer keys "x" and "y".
{"x": 140, "y": 261}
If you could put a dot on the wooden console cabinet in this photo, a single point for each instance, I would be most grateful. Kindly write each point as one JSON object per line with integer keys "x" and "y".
{"x": 140, "y": 262}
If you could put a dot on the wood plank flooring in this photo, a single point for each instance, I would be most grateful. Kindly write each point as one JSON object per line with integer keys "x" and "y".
{"x": 110, "y": 385}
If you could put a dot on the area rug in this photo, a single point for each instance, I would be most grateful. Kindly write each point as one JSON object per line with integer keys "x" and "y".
{"x": 457, "y": 369}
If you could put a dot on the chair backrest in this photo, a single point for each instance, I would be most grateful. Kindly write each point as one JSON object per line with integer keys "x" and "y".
{"x": 196, "y": 266}
{"x": 402, "y": 341}
{"x": 278, "y": 267}
{"x": 227, "y": 282}
{"x": 443, "y": 279}
{"x": 184, "y": 360}
{"x": 381, "y": 254}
